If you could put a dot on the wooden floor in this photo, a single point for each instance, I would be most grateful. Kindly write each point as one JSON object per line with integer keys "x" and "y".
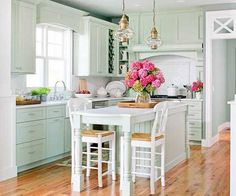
{"x": 206, "y": 173}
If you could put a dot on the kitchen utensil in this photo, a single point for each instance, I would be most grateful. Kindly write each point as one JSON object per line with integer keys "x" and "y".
{"x": 123, "y": 68}
{"x": 172, "y": 90}
{"x": 124, "y": 55}
{"x": 112, "y": 86}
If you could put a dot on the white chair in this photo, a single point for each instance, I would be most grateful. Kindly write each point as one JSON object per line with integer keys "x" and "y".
{"x": 94, "y": 136}
{"x": 149, "y": 141}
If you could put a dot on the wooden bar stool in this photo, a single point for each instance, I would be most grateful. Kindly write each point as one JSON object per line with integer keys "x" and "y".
{"x": 149, "y": 141}
{"x": 98, "y": 137}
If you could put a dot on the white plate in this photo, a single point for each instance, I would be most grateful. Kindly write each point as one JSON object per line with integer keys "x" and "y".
{"x": 83, "y": 95}
{"x": 113, "y": 86}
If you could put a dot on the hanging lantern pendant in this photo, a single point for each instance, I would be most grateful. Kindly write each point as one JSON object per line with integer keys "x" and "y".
{"x": 123, "y": 33}
{"x": 154, "y": 41}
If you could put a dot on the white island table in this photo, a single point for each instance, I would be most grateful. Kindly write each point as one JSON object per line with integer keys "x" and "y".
{"x": 127, "y": 118}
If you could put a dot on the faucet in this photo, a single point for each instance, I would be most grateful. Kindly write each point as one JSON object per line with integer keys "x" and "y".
{"x": 55, "y": 87}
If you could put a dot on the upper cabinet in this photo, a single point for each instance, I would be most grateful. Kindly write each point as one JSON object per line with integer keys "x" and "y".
{"x": 177, "y": 27}
{"x": 95, "y": 49}
{"x": 23, "y": 37}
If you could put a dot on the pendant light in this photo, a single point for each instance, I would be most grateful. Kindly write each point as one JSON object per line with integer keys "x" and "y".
{"x": 154, "y": 41}
{"x": 123, "y": 33}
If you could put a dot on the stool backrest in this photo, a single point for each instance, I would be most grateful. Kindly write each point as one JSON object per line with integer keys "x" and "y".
{"x": 77, "y": 104}
{"x": 159, "y": 125}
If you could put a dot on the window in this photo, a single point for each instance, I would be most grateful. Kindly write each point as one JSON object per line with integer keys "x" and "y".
{"x": 53, "y": 57}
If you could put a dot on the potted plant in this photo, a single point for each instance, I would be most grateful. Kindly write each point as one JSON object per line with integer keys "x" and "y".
{"x": 197, "y": 87}
{"x": 143, "y": 77}
{"x": 41, "y": 92}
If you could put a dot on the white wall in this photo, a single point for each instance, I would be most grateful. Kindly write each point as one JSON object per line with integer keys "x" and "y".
{"x": 7, "y": 103}
{"x": 219, "y": 81}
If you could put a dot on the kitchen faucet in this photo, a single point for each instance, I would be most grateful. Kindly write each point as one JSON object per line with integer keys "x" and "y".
{"x": 55, "y": 87}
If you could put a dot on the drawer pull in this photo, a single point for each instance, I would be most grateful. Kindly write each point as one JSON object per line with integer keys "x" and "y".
{"x": 31, "y": 152}
{"x": 31, "y": 114}
{"x": 31, "y": 131}
{"x": 56, "y": 111}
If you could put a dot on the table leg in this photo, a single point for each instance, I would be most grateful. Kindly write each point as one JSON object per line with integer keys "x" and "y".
{"x": 78, "y": 177}
{"x": 127, "y": 179}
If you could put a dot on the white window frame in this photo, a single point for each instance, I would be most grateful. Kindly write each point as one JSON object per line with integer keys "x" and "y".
{"x": 66, "y": 53}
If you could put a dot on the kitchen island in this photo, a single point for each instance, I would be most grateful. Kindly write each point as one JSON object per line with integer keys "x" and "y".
{"x": 132, "y": 120}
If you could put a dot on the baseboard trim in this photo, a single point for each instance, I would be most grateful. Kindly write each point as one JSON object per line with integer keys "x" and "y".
{"x": 224, "y": 127}
{"x": 8, "y": 173}
{"x": 176, "y": 161}
{"x": 211, "y": 141}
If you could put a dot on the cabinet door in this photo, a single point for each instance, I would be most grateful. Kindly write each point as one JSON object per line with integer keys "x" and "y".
{"x": 94, "y": 48}
{"x": 67, "y": 135}
{"x": 168, "y": 28}
{"x": 24, "y": 28}
{"x": 188, "y": 27}
{"x": 55, "y": 137}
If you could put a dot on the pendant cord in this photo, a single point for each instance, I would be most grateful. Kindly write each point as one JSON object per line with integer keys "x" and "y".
{"x": 154, "y": 12}
{"x": 123, "y": 7}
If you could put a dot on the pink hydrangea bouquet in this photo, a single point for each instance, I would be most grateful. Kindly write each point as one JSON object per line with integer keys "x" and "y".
{"x": 144, "y": 77}
{"x": 197, "y": 86}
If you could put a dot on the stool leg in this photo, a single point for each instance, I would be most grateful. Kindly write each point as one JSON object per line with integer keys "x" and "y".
{"x": 110, "y": 158}
{"x": 133, "y": 163}
{"x": 114, "y": 157}
{"x": 99, "y": 161}
{"x": 163, "y": 165}
{"x": 152, "y": 175}
{"x": 88, "y": 159}
{"x": 121, "y": 162}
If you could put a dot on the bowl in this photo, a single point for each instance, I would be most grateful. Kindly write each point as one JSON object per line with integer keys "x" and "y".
{"x": 83, "y": 95}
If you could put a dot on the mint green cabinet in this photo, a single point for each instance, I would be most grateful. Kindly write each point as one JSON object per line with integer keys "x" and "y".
{"x": 190, "y": 27}
{"x": 23, "y": 37}
{"x": 55, "y": 136}
{"x": 92, "y": 48}
{"x": 67, "y": 135}
{"x": 175, "y": 27}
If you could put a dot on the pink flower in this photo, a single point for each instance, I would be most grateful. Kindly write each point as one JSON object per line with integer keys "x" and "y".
{"x": 142, "y": 73}
{"x": 156, "y": 83}
{"x": 134, "y": 75}
{"x": 148, "y": 65}
{"x": 137, "y": 65}
{"x": 151, "y": 78}
{"x": 130, "y": 83}
{"x": 197, "y": 86}
{"x": 144, "y": 82}
{"x": 160, "y": 77}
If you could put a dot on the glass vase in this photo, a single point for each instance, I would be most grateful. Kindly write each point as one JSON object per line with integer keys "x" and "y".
{"x": 143, "y": 97}
{"x": 198, "y": 95}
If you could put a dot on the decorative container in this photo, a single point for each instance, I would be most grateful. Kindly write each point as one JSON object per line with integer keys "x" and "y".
{"x": 198, "y": 95}
{"x": 143, "y": 97}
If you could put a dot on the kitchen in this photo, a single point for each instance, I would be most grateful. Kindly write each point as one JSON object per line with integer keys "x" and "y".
{"x": 90, "y": 62}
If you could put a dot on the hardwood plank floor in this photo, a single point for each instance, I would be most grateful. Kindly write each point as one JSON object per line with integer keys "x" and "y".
{"x": 206, "y": 173}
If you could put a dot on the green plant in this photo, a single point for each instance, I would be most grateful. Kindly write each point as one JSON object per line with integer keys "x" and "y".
{"x": 40, "y": 91}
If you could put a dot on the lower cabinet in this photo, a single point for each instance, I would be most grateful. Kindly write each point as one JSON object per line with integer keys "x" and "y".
{"x": 55, "y": 136}
{"x": 41, "y": 138}
{"x": 67, "y": 134}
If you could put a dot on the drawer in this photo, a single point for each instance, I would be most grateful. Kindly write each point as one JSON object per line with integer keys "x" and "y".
{"x": 195, "y": 124}
{"x": 195, "y": 115}
{"x": 30, "y": 131}
{"x": 195, "y": 134}
{"x": 30, "y": 114}
{"x": 56, "y": 111}
{"x": 30, "y": 152}
{"x": 195, "y": 106}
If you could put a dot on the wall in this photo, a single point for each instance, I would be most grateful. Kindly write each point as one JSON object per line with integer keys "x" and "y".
{"x": 231, "y": 72}
{"x": 7, "y": 103}
{"x": 219, "y": 81}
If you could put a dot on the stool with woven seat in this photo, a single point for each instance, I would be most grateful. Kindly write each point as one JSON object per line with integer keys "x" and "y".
{"x": 98, "y": 137}
{"x": 142, "y": 141}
